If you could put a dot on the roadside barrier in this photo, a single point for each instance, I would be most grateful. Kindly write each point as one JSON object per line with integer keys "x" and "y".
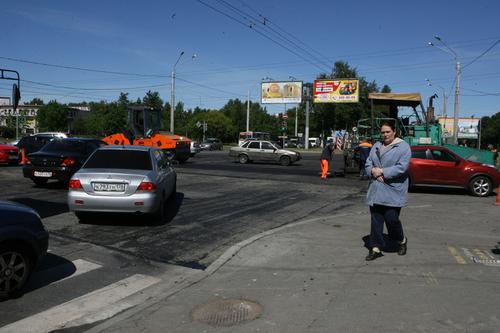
{"x": 497, "y": 203}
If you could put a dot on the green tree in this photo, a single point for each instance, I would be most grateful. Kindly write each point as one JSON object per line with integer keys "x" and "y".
{"x": 53, "y": 117}
{"x": 153, "y": 100}
{"x": 35, "y": 101}
{"x": 490, "y": 130}
{"x": 123, "y": 99}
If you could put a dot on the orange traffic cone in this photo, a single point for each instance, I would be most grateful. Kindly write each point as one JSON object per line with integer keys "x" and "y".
{"x": 497, "y": 203}
{"x": 24, "y": 159}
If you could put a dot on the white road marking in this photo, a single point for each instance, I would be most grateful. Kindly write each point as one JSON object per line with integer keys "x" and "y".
{"x": 103, "y": 299}
{"x": 82, "y": 266}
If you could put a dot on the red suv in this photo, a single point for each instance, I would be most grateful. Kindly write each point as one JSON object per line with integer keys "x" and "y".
{"x": 438, "y": 166}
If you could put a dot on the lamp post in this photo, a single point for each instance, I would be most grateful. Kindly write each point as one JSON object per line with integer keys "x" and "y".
{"x": 172, "y": 96}
{"x": 456, "y": 110}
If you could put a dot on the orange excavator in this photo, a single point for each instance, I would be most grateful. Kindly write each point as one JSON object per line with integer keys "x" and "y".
{"x": 144, "y": 126}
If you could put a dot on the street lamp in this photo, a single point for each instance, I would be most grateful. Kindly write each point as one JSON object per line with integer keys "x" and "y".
{"x": 456, "y": 110}
{"x": 172, "y": 96}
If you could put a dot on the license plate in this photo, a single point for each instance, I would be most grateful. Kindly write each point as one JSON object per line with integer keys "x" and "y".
{"x": 13, "y": 157}
{"x": 42, "y": 174}
{"x": 108, "y": 187}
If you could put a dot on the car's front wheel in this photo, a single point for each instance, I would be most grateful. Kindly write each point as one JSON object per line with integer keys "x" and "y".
{"x": 480, "y": 186}
{"x": 15, "y": 268}
{"x": 285, "y": 160}
{"x": 243, "y": 159}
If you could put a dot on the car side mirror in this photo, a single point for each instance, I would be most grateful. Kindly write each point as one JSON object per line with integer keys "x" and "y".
{"x": 457, "y": 162}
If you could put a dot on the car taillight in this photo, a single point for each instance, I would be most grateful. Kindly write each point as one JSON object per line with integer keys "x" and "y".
{"x": 75, "y": 184}
{"x": 68, "y": 161}
{"x": 146, "y": 186}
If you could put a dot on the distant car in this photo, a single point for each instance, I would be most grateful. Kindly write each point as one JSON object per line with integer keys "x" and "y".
{"x": 23, "y": 242}
{"x": 9, "y": 154}
{"x": 123, "y": 179}
{"x": 59, "y": 159}
{"x": 439, "y": 166}
{"x": 211, "y": 144}
{"x": 263, "y": 151}
{"x": 33, "y": 143}
{"x": 194, "y": 148}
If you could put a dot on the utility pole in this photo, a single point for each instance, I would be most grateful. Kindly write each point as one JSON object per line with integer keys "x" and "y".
{"x": 296, "y": 118}
{"x": 456, "y": 111}
{"x": 248, "y": 111}
{"x": 172, "y": 97}
{"x": 306, "y": 143}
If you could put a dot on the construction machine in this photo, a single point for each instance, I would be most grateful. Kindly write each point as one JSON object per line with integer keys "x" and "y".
{"x": 417, "y": 128}
{"x": 144, "y": 129}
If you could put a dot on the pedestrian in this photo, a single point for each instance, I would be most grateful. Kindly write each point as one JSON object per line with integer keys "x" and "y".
{"x": 387, "y": 165}
{"x": 326, "y": 156}
{"x": 363, "y": 150}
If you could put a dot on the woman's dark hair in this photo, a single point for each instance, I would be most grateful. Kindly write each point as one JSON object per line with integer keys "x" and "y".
{"x": 390, "y": 124}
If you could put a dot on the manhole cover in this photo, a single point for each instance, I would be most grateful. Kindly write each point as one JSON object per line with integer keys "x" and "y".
{"x": 226, "y": 312}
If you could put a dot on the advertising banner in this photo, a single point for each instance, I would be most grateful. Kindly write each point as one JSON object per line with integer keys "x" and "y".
{"x": 287, "y": 92}
{"x": 336, "y": 91}
{"x": 468, "y": 128}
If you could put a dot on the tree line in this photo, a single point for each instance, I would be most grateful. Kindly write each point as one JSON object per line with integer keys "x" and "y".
{"x": 107, "y": 118}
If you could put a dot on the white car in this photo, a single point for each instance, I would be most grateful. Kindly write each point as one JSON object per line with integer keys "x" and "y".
{"x": 123, "y": 179}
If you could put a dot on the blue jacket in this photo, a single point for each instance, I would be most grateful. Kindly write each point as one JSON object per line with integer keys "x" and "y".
{"x": 395, "y": 162}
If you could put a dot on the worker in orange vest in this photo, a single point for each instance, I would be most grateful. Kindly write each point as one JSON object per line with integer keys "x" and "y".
{"x": 326, "y": 156}
{"x": 364, "y": 151}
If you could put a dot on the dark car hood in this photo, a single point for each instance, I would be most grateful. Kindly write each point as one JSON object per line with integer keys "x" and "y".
{"x": 8, "y": 207}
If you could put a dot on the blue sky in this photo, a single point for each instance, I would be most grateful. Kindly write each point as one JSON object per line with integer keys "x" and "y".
{"x": 385, "y": 40}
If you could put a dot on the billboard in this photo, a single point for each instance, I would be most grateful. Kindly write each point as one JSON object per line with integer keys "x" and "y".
{"x": 468, "y": 128}
{"x": 4, "y": 100}
{"x": 336, "y": 91}
{"x": 281, "y": 92}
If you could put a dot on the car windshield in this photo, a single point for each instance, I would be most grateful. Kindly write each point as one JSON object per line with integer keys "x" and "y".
{"x": 64, "y": 146}
{"x": 119, "y": 159}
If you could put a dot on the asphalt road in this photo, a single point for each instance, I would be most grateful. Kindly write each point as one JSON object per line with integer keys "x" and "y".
{"x": 219, "y": 203}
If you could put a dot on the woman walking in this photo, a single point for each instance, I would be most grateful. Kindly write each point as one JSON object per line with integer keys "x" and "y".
{"x": 388, "y": 165}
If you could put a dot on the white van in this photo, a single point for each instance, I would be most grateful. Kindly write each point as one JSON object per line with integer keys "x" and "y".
{"x": 314, "y": 142}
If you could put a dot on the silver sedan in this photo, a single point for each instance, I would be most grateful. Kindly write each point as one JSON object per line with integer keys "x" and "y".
{"x": 123, "y": 179}
{"x": 263, "y": 151}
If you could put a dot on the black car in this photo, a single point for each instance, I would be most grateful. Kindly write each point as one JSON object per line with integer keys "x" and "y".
{"x": 23, "y": 241}
{"x": 35, "y": 142}
{"x": 59, "y": 159}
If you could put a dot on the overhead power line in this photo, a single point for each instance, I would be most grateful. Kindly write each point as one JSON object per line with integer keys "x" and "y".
{"x": 253, "y": 27}
{"x": 265, "y": 22}
{"x": 83, "y": 69}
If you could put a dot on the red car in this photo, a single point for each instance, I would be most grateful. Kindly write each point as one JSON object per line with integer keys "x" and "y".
{"x": 438, "y": 166}
{"x": 9, "y": 154}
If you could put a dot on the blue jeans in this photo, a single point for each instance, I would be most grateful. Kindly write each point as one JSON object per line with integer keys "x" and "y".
{"x": 389, "y": 215}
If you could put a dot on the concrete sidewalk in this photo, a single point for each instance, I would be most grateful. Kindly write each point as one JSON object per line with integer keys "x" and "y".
{"x": 312, "y": 277}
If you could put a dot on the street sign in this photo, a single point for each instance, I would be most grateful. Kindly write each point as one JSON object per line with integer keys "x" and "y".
{"x": 283, "y": 136}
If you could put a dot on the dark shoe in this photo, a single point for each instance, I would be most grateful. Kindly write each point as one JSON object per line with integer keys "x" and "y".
{"x": 372, "y": 255}
{"x": 403, "y": 247}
